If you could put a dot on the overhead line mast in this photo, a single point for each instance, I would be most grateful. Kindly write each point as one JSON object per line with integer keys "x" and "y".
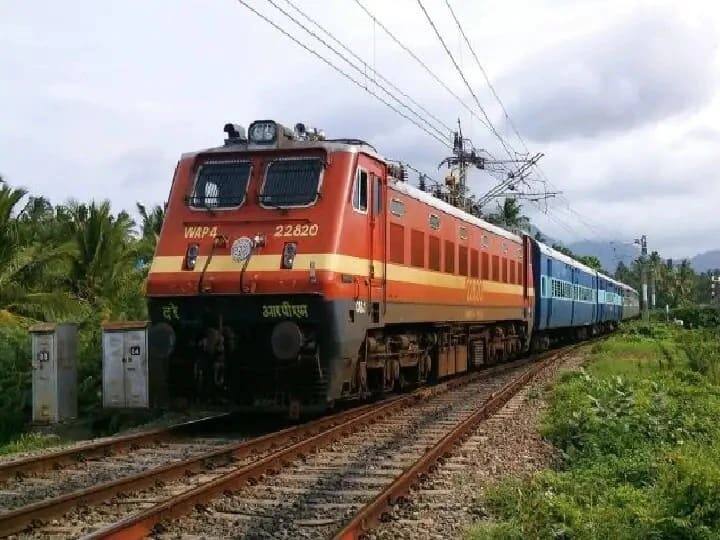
{"x": 539, "y": 170}
{"x": 490, "y": 126}
{"x": 466, "y": 156}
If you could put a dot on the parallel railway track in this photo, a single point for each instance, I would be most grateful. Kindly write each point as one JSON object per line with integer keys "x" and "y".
{"x": 100, "y": 448}
{"x": 304, "y": 481}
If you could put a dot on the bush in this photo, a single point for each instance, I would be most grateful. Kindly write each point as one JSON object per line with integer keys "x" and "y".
{"x": 702, "y": 348}
{"x": 698, "y": 317}
{"x": 15, "y": 378}
{"x": 640, "y": 439}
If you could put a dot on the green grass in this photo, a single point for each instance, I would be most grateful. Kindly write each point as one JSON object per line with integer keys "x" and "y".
{"x": 28, "y": 442}
{"x": 639, "y": 432}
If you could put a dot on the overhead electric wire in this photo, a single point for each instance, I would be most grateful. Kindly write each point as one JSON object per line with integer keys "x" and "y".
{"x": 356, "y": 68}
{"x": 485, "y": 75}
{"x": 512, "y": 125}
{"x": 341, "y": 72}
{"x": 467, "y": 84}
{"x": 420, "y": 61}
{"x": 366, "y": 65}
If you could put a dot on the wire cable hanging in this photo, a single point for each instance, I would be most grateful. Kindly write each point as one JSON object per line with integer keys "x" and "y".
{"x": 415, "y": 57}
{"x": 359, "y": 70}
{"x": 342, "y": 72}
{"x": 511, "y": 153}
{"x": 352, "y": 53}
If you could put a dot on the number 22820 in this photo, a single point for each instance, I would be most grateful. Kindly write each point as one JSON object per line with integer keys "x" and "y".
{"x": 296, "y": 230}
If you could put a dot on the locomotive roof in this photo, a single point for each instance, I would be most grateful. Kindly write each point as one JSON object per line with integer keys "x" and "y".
{"x": 331, "y": 145}
{"x": 427, "y": 198}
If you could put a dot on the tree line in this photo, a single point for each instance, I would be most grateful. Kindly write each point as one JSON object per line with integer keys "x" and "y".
{"x": 72, "y": 261}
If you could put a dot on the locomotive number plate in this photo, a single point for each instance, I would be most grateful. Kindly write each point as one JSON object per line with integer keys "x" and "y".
{"x": 297, "y": 230}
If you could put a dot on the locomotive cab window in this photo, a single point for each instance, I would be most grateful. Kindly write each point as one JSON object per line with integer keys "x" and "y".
{"x": 221, "y": 184}
{"x": 360, "y": 193}
{"x": 291, "y": 182}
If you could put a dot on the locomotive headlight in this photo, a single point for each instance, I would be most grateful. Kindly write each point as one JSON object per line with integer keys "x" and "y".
{"x": 191, "y": 256}
{"x": 263, "y": 132}
{"x": 288, "y": 255}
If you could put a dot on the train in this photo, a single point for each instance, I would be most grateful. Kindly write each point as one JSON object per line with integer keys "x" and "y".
{"x": 296, "y": 272}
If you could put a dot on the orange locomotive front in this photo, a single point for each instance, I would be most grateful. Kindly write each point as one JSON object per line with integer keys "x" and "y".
{"x": 297, "y": 271}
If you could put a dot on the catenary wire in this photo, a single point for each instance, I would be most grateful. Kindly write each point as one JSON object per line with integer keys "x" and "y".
{"x": 439, "y": 132}
{"x": 541, "y": 172}
{"x": 366, "y": 65}
{"x": 420, "y": 61}
{"x": 485, "y": 75}
{"x": 490, "y": 125}
{"x": 341, "y": 71}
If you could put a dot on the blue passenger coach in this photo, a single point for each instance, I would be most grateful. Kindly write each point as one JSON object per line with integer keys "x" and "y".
{"x": 574, "y": 301}
{"x": 631, "y": 302}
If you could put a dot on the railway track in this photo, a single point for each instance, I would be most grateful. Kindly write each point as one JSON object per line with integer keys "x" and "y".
{"x": 31, "y": 480}
{"x": 100, "y": 448}
{"x": 304, "y": 481}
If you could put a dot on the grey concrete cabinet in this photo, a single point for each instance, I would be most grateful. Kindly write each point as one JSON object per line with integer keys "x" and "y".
{"x": 54, "y": 373}
{"x": 125, "y": 365}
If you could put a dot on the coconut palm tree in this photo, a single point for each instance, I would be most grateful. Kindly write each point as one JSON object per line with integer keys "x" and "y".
{"x": 103, "y": 249}
{"x": 509, "y": 215}
{"x": 150, "y": 228}
{"x": 9, "y": 199}
{"x": 22, "y": 260}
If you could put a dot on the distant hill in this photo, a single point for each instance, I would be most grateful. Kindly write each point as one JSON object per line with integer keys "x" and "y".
{"x": 710, "y": 260}
{"x": 609, "y": 253}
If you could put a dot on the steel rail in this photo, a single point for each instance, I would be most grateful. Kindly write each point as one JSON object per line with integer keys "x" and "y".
{"x": 371, "y": 514}
{"x": 66, "y": 456}
{"x": 143, "y": 523}
{"x": 20, "y": 518}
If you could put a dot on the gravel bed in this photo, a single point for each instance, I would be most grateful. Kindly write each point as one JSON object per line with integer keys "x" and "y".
{"x": 23, "y": 490}
{"x": 507, "y": 445}
{"x": 313, "y": 497}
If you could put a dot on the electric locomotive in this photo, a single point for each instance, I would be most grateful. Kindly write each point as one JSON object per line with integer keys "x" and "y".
{"x": 294, "y": 270}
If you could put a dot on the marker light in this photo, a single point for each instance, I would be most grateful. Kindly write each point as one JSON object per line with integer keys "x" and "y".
{"x": 235, "y": 133}
{"x": 288, "y": 255}
{"x": 263, "y": 132}
{"x": 191, "y": 256}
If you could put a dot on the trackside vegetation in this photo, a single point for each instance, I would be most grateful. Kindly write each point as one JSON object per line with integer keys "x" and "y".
{"x": 638, "y": 432}
{"x": 77, "y": 262}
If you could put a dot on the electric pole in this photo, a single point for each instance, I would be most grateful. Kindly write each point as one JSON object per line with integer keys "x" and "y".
{"x": 642, "y": 241}
{"x": 464, "y": 156}
{"x": 652, "y": 282}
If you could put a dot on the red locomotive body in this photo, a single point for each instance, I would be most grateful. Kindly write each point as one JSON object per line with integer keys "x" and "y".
{"x": 293, "y": 270}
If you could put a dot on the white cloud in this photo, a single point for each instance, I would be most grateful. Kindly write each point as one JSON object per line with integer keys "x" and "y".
{"x": 100, "y": 99}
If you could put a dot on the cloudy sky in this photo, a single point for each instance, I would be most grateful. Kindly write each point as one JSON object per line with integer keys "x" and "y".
{"x": 98, "y": 99}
